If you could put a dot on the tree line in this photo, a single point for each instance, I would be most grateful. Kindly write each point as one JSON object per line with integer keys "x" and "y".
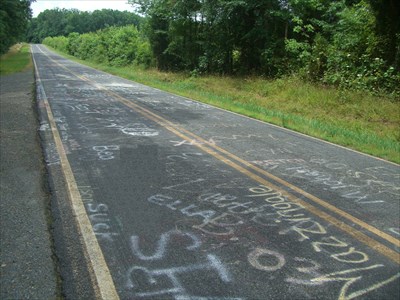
{"x": 61, "y": 22}
{"x": 17, "y": 24}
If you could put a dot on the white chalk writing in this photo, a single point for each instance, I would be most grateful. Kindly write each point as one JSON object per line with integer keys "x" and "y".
{"x": 98, "y": 215}
{"x": 157, "y": 282}
{"x": 106, "y": 152}
{"x": 135, "y": 129}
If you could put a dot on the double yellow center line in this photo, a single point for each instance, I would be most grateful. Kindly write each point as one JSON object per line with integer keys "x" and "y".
{"x": 259, "y": 176}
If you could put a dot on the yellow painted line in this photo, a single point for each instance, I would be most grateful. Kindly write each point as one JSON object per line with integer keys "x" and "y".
{"x": 393, "y": 255}
{"x": 177, "y": 130}
{"x": 321, "y": 202}
{"x": 100, "y": 273}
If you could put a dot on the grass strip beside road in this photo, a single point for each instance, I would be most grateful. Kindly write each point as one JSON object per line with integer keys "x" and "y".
{"x": 17, "y": 59}
{"x": 359, "y": 121}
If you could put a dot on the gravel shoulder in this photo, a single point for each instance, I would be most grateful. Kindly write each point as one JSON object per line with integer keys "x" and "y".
{"x": 27, "y": 263}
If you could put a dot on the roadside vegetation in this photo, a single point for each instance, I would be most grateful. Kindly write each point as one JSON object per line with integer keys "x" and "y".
{"x": 17, "y": 59}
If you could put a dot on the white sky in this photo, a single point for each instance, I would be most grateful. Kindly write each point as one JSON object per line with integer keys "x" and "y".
{"x": 84, "y": 5}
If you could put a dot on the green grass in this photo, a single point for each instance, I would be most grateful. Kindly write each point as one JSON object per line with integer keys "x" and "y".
{"x": 17, "y": 59}
{"x": 360, "y": 121}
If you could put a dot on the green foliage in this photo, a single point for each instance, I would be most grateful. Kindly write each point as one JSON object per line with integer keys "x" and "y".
{"x": 59, "y": 42}
{"x": 57, "y": 22}
{"x": 115, "y": 46}
{"x": 121, "y": 45}
{"x": 144, "y": 56}
{"x": 354, "y": 59}
{"x": 87, "y": 46}
{"x": 297, "y": 53}
{"x": 73, "y": 43}
{"x": 342, "y": 42}
{"x": 213, "y": 36}
{"x": 338, "y": 42}
{"x": 317, "y": 64}
{"x": 387, "y": 27}
{"x": 14, "y": 16}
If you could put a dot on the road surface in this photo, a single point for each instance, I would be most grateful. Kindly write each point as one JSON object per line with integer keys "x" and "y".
{"x": 175, "y": 199}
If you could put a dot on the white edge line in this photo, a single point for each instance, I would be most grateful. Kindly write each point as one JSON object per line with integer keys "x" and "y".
{"x": 105, "y": 284}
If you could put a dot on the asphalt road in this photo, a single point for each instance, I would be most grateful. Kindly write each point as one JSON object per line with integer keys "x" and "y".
{"x": 175, "y": 199}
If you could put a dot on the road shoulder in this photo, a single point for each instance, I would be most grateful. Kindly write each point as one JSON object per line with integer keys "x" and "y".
{"x": 28, "y": 269}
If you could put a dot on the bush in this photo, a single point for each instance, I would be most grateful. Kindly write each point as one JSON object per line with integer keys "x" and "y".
{"x": 116, "y": 46}
{"x": 87, "y": 46}
{"x": 60, "y": 43}
{"x": 122, "y": 45}
{"x": 144, "y": 55}
{"x": 73, "y": 44}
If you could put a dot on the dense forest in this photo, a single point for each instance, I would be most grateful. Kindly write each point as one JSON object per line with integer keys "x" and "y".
{"x": 345, "y": 42}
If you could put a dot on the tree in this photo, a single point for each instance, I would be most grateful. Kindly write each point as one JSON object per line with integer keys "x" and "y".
{"x": 221, "y": 36}
{"x": 359, "y": 55}
{"x": 14, "y": 17}
{"x": 387, "y": 13}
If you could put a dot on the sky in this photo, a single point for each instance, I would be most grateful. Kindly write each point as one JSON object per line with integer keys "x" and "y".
{"x": 84, "y": 5}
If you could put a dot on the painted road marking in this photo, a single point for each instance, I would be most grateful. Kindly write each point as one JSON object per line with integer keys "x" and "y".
{"x": 321, "y": 202}
{"x": 179, "y": 131}
{"x": 101, "y": 277}
{"x": 393, "y": 255}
